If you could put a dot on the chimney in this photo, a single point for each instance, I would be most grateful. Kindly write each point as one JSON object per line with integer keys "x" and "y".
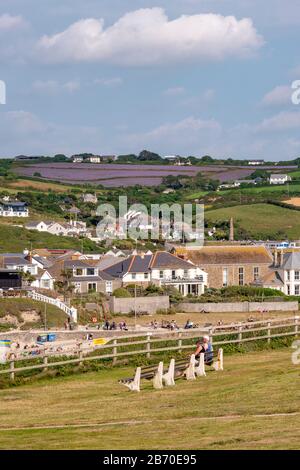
{"x": 275, "y": 258}
{"x": 231, "y": 231}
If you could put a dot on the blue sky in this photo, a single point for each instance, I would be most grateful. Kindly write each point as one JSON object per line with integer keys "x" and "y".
{"x": 192, "y": 77}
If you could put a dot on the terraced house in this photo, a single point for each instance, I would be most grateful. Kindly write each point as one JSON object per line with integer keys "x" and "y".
{"x": 232, "y": 265}
{"x": 162, "y": 269}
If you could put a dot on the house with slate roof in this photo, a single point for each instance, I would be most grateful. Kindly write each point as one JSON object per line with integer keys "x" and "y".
{"x": 162, "y": 269}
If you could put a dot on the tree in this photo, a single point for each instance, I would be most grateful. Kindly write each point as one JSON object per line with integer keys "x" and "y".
{"x": 145, "y": 155}
{"x": 65, "y": 286}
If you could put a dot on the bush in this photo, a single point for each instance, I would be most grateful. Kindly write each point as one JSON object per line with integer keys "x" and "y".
{"x": 121, "y": 292}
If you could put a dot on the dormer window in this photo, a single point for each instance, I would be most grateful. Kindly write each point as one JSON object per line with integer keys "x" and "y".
{"x": 90, "y": 272}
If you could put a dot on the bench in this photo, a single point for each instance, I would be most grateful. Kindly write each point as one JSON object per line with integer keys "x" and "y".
{"x": 189, "y": 368}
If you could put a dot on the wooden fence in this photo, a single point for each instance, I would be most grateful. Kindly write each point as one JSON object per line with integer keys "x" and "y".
{"x": 149, "y": 343}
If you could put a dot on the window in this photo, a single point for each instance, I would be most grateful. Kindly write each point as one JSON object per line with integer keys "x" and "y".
{"x": 241, "y": 276}
{"x": 79, "y": 272}
{"x": 92, "y": 286}
{"x": 161, "y": 274}
{"x": 109, "y": 287}
{"x": 297, "y": 275}
{"x": 146, "y": 275}
{"x": 288, "y": 275}
{"x": 185, "y": 273}
{"x": 297, "y": 290}
{"x": 90, "y": 272}
{"x": 133, "y": 275}
{"x": 255, "y": 273}
{"x": 173, "y": 274}
{"x": 288, "y": 290}
{"x": 225, "y": 277}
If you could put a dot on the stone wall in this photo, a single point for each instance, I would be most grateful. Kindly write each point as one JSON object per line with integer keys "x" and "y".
{"x": 215, "y": 273}
{"x": 142, "y": 304}
{"x": 228, "y": 307}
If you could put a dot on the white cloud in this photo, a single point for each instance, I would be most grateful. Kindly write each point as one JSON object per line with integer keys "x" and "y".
{"x": 147, "y": 37}
{"x": 280, "y": 95}
{"x": 110, "y": 82}
{"x": 174, "y": 91}
{"x": 54, "y": 87}
{"x": 190, "y": 133}
{"x": 9, "y": 22}
{"x": 283, "y": 121}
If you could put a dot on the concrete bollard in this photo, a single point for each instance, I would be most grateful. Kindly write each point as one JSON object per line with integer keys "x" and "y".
{"x": 168, "y": 378}
{"x": 157, "y": 379}
{"x": 190, "y": 371}
{"x": 200, "y": 368}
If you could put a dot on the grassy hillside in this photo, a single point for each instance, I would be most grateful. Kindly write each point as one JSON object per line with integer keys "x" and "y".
{"x": 16, "y": 311}
{"x": 16, "y": 239}
{"x": 252, "y": 404}
{"x": 260, "y": 220}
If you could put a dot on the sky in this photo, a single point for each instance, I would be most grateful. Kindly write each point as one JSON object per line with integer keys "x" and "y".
{"x": 188, "y": 77}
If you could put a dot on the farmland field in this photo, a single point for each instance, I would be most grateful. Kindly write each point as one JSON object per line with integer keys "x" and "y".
{"x": 115, "y": 175}
{"x": 260, "y": 220}
{"x": 252, "y": 404}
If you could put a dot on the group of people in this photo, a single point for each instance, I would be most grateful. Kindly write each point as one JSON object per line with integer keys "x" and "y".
{"x": 170, "y": 325}
{"x": 113, "y": 326}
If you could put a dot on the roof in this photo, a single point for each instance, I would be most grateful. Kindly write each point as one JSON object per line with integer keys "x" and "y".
{"x": 78, "y": 263}
{"x": 278, "y": 175}
{"x": 16, "y": 260}
{"x": 13, "y": 203}
{"x": 143, "y": 264}
{"x": 45, "y": 262}
{"x": 273, "y": 278}
{"x": 291, "y": 260}
{"x": 230, "y": 254}
{"x": 101, "y": 277}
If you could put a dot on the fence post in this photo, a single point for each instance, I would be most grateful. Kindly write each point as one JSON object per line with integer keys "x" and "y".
{"x": 240, "y": 335}
{"x": 211, "y": 330}
{"x": 115, "y": 351}
{"x": 148, "y": 345}
{"x": 45, "y": 362}
{"x": 179, "y": 342}
{"x": 296, "y": 325}
{"x": 80, "y": 354}
{"x": 11, "y": 367}
{"x": 269, "y": 332}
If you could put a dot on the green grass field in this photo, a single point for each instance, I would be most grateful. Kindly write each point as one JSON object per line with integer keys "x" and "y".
{"x": 260, "y": 220}
{"x": 16, "y": 239}
{"x": 252, "y": 404}
{"x": 14, "y": 307}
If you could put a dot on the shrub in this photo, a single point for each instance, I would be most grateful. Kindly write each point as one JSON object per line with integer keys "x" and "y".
{"x": 121, "y": 292}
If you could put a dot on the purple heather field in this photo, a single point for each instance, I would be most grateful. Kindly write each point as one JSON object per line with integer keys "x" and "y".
{"x": 116, "y": 175}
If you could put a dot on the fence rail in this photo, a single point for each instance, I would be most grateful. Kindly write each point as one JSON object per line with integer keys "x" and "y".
{"x": 174, "y": 341}
{"x": 71, "y": 311}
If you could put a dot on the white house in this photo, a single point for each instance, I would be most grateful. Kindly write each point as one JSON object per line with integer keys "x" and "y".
{"x": 277, "y": 178}
{"x": 77, "y": 159}
{"x": 13, "y": 208}
{"x": 290, "y": 273}
{"x": 39, "y": 226}
{"x": 19, "y": 262}
{"x": 256, "y": 162}
{"x": 94, "y": 159}
{"x": 90, "y": 198}
{"x": 162, "y": 269}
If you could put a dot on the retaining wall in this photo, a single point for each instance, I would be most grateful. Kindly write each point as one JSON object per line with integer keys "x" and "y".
{"x": 228, "y": 307}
